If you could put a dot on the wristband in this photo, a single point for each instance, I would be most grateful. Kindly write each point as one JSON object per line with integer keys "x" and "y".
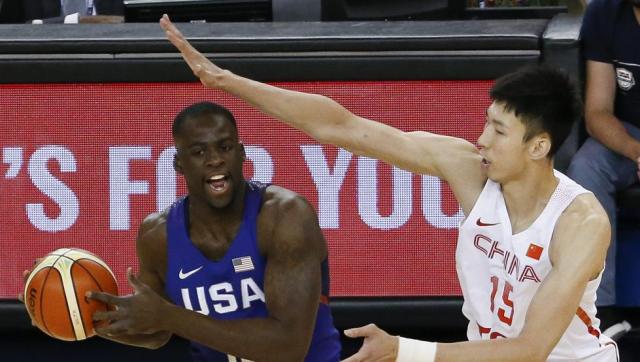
{"x": 413, "y": 350}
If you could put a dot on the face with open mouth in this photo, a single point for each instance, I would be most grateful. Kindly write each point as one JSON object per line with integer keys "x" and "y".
{"x": 210, "y": 156}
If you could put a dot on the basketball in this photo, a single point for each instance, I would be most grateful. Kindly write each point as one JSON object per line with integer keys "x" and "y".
{"x": 54, "y": 293}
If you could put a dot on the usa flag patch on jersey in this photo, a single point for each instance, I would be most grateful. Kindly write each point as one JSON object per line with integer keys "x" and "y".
{"x": 242, "y": 264}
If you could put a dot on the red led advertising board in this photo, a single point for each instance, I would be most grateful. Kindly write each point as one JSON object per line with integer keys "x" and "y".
{"x": 83, "y": 164}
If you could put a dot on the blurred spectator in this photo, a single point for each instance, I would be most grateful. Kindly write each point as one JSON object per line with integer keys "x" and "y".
{"x": 609, "y": 160}
{"x": 74, "y": 11}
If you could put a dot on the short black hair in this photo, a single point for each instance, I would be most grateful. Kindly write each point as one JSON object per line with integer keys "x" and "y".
{"x": 544, "y": 98}
{"x": 198, "y": 110}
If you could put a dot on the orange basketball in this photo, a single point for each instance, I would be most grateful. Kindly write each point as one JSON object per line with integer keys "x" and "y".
{"x": 55, "y": 293}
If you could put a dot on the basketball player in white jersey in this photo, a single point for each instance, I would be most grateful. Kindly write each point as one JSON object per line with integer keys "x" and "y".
{"x": 531, "y": 249}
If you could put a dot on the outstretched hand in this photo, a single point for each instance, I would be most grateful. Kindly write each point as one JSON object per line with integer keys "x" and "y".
{"x": 378, "y": 345}
{"x": 137, "y": 313}
{"x": 204, "y": 69}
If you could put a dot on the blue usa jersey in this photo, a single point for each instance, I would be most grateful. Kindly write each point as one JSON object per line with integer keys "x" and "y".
{"x": 233, "y": 286}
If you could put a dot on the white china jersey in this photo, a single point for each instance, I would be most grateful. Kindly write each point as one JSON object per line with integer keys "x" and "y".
{"x": 500, "y": 273}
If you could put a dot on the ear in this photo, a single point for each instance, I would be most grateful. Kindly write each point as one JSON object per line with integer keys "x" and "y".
{"x": 244, "y": 153}
{"x": 539, "y": 146}
{"x": 177, "y": 165}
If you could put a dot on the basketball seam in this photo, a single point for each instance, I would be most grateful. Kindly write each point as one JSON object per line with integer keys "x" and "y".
{"x": 95, "y": 282}
{"x": 94, "y": 258}
{"x": 75, "y": 295}
{"x": 44, "y": 323}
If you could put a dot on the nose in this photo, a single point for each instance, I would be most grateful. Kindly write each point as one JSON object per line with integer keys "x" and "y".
{"x": 483, "y": 140}
{"x": 213, "y": 158}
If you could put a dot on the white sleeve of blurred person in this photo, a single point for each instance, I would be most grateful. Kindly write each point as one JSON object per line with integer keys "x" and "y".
{"x": 80, "y": 11}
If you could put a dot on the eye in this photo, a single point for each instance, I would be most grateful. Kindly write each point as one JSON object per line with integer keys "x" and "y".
{"x": 499, "y": 132}
{"x": 226, "y": 147}
{"x": 197, "y": 152}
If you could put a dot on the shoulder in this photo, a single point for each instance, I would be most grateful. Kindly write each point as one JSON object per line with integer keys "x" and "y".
{"x": 584, "y": 209}
{"x": 154, "y": 223}
{"x": 153, "y": 230}
{"x": 288, "y": 223}
{"x": 601, "y": 13}
{"x": 581, "y": 237}
{"x": 584, "y": 225}
{"x": 603, "y": 7}
{"x": 279, "y": 202}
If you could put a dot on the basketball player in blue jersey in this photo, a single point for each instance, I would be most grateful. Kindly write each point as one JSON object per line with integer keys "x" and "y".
{"x": 531, "y": 250}
{"x": 237, "y": 267}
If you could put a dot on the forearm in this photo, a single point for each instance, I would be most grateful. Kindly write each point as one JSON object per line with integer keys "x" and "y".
{"x": 256, "y": 339}
{"x": 317, "y": 115}
{"x": 150, "y": 341}
{"x": 512, "y": 349}
{"x": 608, "y": 130}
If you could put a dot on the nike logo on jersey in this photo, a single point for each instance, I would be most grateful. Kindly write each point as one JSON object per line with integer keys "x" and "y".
{"x": 480, "y": 223}
{"x": 183, "y": 275}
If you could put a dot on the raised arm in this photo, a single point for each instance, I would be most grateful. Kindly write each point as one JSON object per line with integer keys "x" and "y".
{"x": 577, "y": 252}
{"x": 452, "y": 159}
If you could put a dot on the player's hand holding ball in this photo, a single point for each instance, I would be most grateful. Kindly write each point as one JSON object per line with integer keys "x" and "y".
{"x": 139, "y": 313}
{"x": 55, "y": 290}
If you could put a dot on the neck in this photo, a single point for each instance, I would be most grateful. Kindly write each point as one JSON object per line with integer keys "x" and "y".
{"x": 636, "y": 11}
{"x": 526, "y": 196}
{"x": 212, "y": 218}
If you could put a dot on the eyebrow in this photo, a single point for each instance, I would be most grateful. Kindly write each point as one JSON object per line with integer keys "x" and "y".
{"x": 217, "y": 141}
{"x": 496, "y": 121}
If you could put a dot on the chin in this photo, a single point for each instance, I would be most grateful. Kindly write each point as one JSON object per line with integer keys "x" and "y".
{"x": 220, "y": 202}
{"x": 495, "y": 178}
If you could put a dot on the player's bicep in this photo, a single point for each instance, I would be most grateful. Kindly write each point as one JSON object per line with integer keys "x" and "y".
{"x": 293, "y": 274}
{"x": 451, "y": 159}
{"x": 419, "y": 152}
{"x": 151, "y": 252}
{"x": 455, "y": 161}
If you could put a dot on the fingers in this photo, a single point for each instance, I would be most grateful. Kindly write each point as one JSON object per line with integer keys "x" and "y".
{"x": 25, "y": 277}
{"x": 113, "y": 329}
{"x": 165, "y": 22}
{"x": 171, "y": 31}
{"x": 27, "y": 272}
{"x": 105, "y": 298}
{"x": 105, "y": 316}
{"x": 365, "y": 331}
{"x": 137, "y": 285}
{"x": 190, "y": 54}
